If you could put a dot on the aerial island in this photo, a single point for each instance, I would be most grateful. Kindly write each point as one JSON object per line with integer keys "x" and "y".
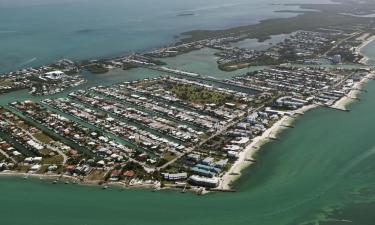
{"x": 182, "y": 130}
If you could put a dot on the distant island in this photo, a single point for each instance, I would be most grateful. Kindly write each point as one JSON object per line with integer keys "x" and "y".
{"x": 186, "y": 14}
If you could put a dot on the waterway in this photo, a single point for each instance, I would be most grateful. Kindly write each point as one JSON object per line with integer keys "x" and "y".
{"x": 204, "y": 62}
{"x": 264, "y": 45}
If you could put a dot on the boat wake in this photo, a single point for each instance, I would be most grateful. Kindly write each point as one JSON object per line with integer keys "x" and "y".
{"x": 28, "y": 61}
{"x": 7, "y": 31}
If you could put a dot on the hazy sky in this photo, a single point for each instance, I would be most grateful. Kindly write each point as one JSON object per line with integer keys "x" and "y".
{"x": 14, "y": 3}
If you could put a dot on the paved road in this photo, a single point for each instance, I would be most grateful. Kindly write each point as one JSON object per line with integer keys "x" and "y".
{"x": 341, "y": 41}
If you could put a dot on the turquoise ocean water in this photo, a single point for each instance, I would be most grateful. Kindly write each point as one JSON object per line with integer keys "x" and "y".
{"x": 323, "y": 168}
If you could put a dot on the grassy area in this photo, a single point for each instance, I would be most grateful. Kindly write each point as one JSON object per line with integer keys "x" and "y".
{"x": 261, "y": 61}
{"x": 42, "y": 137}
{"x": 96, "y": 175}
{"x": 57, "y": 159}
{"x": 199, "y": 95}
{"x": 96, "y": 68}
{"x": 23, "y": 168}
{"x": 6, "y": 82}
{"x": 169, "y": 156}
{"x": 22, "y": 124}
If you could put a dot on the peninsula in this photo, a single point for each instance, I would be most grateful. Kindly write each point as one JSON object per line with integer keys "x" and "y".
{"x": 183, "y": 129}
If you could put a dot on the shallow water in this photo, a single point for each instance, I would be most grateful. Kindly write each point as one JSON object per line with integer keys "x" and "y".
{"x": 42, "y": 31}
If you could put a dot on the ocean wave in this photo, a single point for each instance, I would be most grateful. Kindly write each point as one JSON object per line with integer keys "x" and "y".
{"x": 7, "y": 31}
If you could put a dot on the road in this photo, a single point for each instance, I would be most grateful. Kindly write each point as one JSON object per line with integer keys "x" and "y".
{"x": 341, "y": 41}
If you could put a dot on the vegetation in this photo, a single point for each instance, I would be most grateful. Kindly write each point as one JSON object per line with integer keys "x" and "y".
{"x": 199, "y": 95}
{"x": 6, "y": 82}
{"x": 128, "y": 66}
{"x": 263, "y": 30}
{"x": 157, "y": 62}
{"x": 43, "y": 138}
{"x": 96, "y": 175}
{"x": 261, "y": 61}
{"x": 96, "y": 68}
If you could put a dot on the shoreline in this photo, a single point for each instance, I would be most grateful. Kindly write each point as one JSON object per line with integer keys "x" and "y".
{"x": 65, "y": 179}
{"x": 258, "y": 142}
{"x": 40, "y": 176}
{"x": 353, "y": 93}
{"x": 359, "y": 49}
{"x": 256, "y": 145}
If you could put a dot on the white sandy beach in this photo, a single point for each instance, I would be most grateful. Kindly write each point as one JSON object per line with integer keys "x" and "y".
{"x": 242, "y": 162}
{"x": 255, "y": 145}
{"x": 358, "y": 50}
{"x": 346, "y": 100}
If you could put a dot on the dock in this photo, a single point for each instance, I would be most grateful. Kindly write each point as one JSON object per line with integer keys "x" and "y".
{"x": 353, "y": 98}
{"x": 234, "y": 174}
{"x": 360, "y": 90}
{"x": 273, "y": 138}
{"x": 339, "y": 109}
{"x": 250, "y": 160}
{"x": 223, "y": 190}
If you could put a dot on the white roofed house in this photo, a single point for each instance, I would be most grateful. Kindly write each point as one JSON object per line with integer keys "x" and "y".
{"x": 52, "y": 76}
{"x": 204, "y": 181}
{"x": 174, "y": 176}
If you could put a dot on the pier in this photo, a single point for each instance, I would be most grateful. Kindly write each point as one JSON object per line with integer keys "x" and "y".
{"x": 223, "y": 190}
{"x": 250, "y": 160}
{"x": 339, "y": 109}
{"x": 353, "y": 98}
{"x": 360, "y": 90}
{"x": 273, "y": 138}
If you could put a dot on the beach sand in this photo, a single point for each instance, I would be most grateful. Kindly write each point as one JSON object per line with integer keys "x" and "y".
{"x": 235, "y": 172}
{"x": 346, "y": 100}
{"x": 255, "y": 145}
{"x": 358, "y": 50}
